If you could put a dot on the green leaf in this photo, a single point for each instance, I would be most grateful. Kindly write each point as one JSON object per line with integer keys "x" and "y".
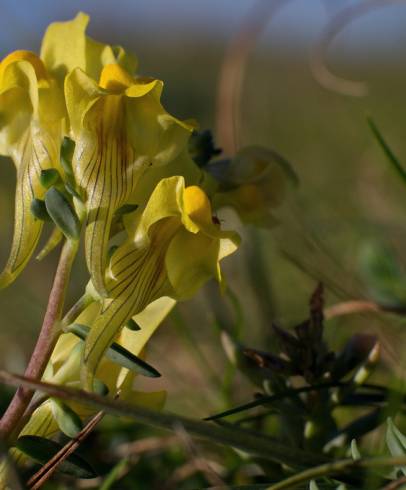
{"x": 383, "y": 273}
{"x": 119, "y": 354}
{"x": 355, "y": 454}
{"x": 39, "y": 210}
{"x": 313, "y": 485}
{"x": 53, "y": 241}
{"x": 62, "y": 213}
{"x": 395, "y": 441}
{"x": 239, "y": 438}
{"x": 68, "y": 421}
{"x": 41, "y": 450}
{"x": 133, "y": 325}
{"x": 49, "y": 177}
{"x": 114, "y": 475}
{"x": 125, "y": 209}
{"x": 397, "y": 166}
{"x": 67, "y": 149}
{"x": 99, "y": 387}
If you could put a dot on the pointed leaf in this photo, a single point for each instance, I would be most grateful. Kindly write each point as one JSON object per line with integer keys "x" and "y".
{"x": 39, "y": 210}
{"x": 62, "y": 213}
{"x": 68, "y": 421}
{"x": 393, "y": 160}
{"x": 396, "y": 442}
{"x": 354, "y": 450}
{"x": 133, "y": 325}
{"x": 119, "y": 354}
{"x": 42, "y": 450}
{"x": 52, "y": 242}
{"x": 114, "y": 475}
{"x": 49, "y": 177}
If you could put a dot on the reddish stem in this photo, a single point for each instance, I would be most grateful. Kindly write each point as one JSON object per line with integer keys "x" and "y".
{"x": 45, "y": 343}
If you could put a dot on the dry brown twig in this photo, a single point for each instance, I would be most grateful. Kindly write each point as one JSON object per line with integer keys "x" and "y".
{"x": 233, "y": 69}
{"x": 321, "y": 72}
{"x": 46, "y": 471}
{"x": 196, "y": 463}
{"x": 396, "y": 485}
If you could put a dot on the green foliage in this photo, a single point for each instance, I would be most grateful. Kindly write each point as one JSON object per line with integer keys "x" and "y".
{"x": 62, "y": 213}
{"x": 41, "y": 450}
{"x": 119, "y": 354}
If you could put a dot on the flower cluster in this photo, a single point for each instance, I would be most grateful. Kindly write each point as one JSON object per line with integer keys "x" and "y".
{"x": 93, "y": 147}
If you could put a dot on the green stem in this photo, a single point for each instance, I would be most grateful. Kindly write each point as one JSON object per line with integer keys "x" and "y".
{"x": 337, "y": 467}
{"x": 229, "y": 436}
{"x": 81, "y": 304}
{"x": 45, "y": 343}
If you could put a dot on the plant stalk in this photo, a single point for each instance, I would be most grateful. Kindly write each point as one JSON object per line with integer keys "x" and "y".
{"x": 45, "y": 343}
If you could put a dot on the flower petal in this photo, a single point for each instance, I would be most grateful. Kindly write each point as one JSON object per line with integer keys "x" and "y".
{"x": 65, "y": 47}
{"x": 36, "y": 152}
{"x": 138, "y": 278}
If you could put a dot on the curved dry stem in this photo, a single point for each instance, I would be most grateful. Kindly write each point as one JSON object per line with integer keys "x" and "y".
{"x": 228, "y": 118}
{"x": 45, "y": 343}
{"x": 360, "y": 306}
{"x": 321, "y": 72}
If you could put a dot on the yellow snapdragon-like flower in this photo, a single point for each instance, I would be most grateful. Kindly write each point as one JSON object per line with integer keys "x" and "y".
{"x": 31, "y": 130}
{"x": 64, "y": 369}
{"x": 172, "y": 250}
{"x": 33, "y": 118}
{"x": 121, "y": 130}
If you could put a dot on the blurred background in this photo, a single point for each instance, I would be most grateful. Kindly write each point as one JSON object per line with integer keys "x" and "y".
{"x": 348, "y": 194}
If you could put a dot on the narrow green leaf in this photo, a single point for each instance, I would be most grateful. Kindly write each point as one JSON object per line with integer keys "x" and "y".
{"x": 354, "y": 450}
{"x": 111, "y": 251}
{"x": 49, "y": 177}
{"x": 119, "y": 354}
{"x": 125, "y": 209}
{"x": 230, "y": 436}
{"x": 72, "y": 191}
{"x": 99, "y": 387}
{"x": 396, "y": 442}
{"x": 266, "y": 400}
{"x": 39, "y": 210}
{"x": 393, "y": 160}
{"x": 62, "y": 213}
{"x": 133, "y": 325}
{"x": 41, "y": 450}
{"x": 114, "y": 474}
{"x": 67, "y": 149}
{"x": 54, "y": 240}
{"x": 68, "y": 421}
{"x": 313, "y": 485}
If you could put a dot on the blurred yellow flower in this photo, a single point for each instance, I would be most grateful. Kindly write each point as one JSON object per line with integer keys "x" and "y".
{"x": 254, "y": 183}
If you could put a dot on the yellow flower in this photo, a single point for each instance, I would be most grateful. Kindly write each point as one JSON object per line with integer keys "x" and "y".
{"x": 64, "y": 369}
{"x": 254, "y": 182}
{"x": 121, "y": 130}
{"x": 31, "y": 119}
{"x": 172, "y": 250}
{"x": 65, "y": 47}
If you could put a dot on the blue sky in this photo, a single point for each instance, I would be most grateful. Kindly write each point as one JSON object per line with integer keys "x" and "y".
{"x": 380, "y": 33}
